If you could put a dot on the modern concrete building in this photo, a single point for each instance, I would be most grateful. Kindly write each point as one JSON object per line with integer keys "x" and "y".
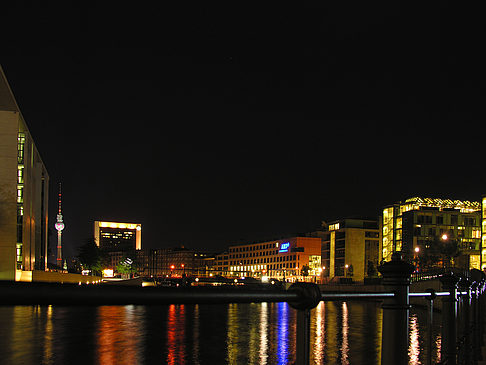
{"x": 114, "y": 236}
{"x": 413, "y": 225}
{"x": 291, "y": 259}
{"x": 24, "y": 184}
{"x": 174, "y": 262}
{"x": 221, "y": 264}
{"x": 350, "y": 248}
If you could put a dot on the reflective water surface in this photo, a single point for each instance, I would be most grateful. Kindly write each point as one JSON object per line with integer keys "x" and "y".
{"x": 342, "y": 333}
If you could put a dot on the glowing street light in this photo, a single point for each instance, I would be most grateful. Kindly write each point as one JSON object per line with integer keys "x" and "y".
{"x": 444, "y": 237}
{"x": 417, "y": 249}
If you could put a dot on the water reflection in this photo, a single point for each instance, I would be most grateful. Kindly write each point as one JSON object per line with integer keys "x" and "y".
{"x": 318, "y": 343}
{"x": 418, "y": 350}
{"x": 345, "y": 327}
{"x": 116, "y": 336}
{"x": 48, "y": 339}
{"x": 263, "y": 351}
{"x": 283, "y": 335}
{"x": 176, "y": 334}
{"x": 341, "y": 333}
{"x": 232, "y": 335}
{"x": 414, "y": 347}
{"x": 195, "y": 335}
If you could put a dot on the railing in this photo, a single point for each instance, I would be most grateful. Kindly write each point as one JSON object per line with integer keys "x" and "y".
{"x": 437, "y": 273}
{"x": 462, "y": 307}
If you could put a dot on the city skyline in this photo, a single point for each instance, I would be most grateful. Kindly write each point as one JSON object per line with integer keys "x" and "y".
{"x": 213, "y": 127}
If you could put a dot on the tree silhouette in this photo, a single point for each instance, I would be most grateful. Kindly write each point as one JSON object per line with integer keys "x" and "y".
{"x": 91, "y": 257}
{"x": 438, "y": 253}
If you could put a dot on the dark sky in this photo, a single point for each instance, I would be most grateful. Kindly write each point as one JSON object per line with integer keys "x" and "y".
{"x": 216, "y": 124}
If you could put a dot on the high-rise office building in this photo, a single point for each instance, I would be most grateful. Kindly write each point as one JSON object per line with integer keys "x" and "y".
{"x": 412, "y": 225}
{"x": 113, "y": 236}
{"x": 24, "y": 185}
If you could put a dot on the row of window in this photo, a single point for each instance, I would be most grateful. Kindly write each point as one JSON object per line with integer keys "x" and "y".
{"x": 439, "y": 219}
{"x": 433, "y": 231}
{"x": 20, "y": 197}
{"x": 253, "y": 247}
{"x": 286, "y": 265}
{"x": 265, "y": 260}
{"x": 253, "y": 254}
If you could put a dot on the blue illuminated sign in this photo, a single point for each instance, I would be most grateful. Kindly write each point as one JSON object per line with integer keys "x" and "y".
{"x": 284, "y": 247}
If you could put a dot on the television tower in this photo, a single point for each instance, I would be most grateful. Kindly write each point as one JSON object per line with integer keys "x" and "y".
{"x": 59, "y": 226}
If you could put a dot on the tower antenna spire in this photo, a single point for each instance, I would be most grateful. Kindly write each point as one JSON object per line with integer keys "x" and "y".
{"x": 59, "y": 198}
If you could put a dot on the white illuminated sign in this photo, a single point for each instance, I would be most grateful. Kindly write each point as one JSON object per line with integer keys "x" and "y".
{"x": 284, "y": 247}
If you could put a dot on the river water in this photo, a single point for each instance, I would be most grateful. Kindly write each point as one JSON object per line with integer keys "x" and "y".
{"x": 264, "y": 333}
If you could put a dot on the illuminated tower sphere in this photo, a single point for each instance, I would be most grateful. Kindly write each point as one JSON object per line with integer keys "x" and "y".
{"x": 59, "y": 226}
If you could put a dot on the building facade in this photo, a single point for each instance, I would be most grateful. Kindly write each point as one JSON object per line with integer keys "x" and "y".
{"x": 114, "y": 236}
{"x": 350, "y": 248}
{"x": 221, "y": 264}
{"x": 24, "y": 186}
{"x": 413, "y": 225}
{"x": 295, "y": 258}
{"x": 483, "y": 233}
{"x": 175, "y": 262}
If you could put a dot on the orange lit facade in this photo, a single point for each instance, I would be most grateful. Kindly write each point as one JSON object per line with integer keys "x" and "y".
{"x": 295, "y": 258}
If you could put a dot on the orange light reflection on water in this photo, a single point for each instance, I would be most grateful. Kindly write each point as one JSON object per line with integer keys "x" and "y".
{"x": 117, "y": 342}
{"x": 176, "y": 334}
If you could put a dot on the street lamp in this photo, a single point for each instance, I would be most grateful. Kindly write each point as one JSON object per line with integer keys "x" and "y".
{"x": 346, "y": 270}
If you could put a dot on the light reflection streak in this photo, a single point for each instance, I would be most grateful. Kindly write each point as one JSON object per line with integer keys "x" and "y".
{"x": 176, "y": 334}
{"x": 319, "y": 344}
{"x": 129, "y": 324}
{"x": 195, "y": 355}
{"x": 108, "y": 334}
{"x": 117, "y": 338}
{"x": 438, "y": 345}
{"x": 47, "y": 356}
{"x": 22, "y": 341}
{"x": 232, "y": 336}
{"x": 414, "y": 347}
{"x": 263, "y": 333}
{"x": 345, "y": 345}
{"x": 282, "y": 329}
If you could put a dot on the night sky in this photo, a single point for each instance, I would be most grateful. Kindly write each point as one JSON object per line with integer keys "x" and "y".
{"x": 223, "y": 123}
